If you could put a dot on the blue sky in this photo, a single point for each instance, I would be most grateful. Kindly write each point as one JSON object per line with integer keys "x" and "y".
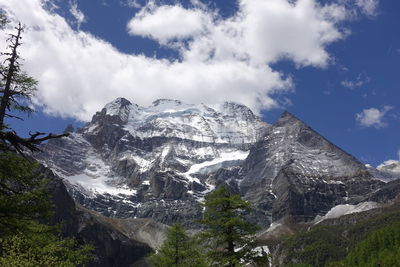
{"x": 334, "y": 64}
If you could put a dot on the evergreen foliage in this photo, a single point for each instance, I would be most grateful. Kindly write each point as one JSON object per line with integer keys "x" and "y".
{"x": 16, "y": 90}
{"x": 24, "y": 202}
{"x": 178, "y": 250}
{"x": 317, "y": 246}
{"x": 23, "y": 195}
{"x": 371, "y": 242}
{"x": 42, "y": 247}
{"x": 25, "y": 206}
{"x": 228, "y": 237}
{"x": 17, "y": 87}
{"x": 380, "y": 248}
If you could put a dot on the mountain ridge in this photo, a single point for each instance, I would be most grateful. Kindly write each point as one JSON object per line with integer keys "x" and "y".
{"x": 159, "y": 162}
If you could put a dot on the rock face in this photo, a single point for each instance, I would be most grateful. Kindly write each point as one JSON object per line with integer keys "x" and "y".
{"x": 298, "y": 173}
{"x": 117, "y": 242}
{"x": 159, "y": 162}
{"x": 153, "y": 162}
{"x": 293, "y": 144}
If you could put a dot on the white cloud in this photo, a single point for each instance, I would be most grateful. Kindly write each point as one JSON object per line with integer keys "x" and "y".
{"x": 391, "y": 164}
{"x": 261, "y": 32}
{"x": 166, "y": 23}
{"x": 361, "y": 80}
{"x": 77, "y": 14}
{"x": 368, "y": 7}
{"x": 220, "y": 59}
{"x": 373, "y": 117}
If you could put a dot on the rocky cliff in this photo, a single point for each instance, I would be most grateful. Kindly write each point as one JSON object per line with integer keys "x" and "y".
{"x": 116, "y": 242}
{"x": 153, "y": 162}
{"x": 296, "y": 172}
{"x": 159, "y": 161}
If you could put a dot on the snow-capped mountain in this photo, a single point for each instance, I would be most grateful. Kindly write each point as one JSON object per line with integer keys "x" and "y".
{"x": 229, "y": 123}
{"x": 159, "y": 161}
{"x": 130, "y": 158}
{"x": 294, "y": 171}
{"x": 291, "y": 143}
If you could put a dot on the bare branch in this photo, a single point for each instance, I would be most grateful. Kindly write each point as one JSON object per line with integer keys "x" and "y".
{"x": 10, "y": 140}
{"x": 13, "y": 116}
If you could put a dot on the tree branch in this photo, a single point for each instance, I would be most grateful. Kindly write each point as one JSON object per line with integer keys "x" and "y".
{"x": 10, "y": 140}
{"x": 13, "y": 116}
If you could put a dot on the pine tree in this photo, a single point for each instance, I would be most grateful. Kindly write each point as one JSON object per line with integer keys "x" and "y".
{"x": 229, "y": 237}
{"x": 16, "y": 89}
{"x": 23, "y": 195}
{"x": 178, "y": 250}
{"x": 24, "y": 202}
{"x": 25, "y": 206}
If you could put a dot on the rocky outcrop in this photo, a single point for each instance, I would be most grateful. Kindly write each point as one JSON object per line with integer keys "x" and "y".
{"x": 129, "y": 159}
{"x": 294, "y": 171}
{"x": 117, "y": 242}
{"x": 159, "y": 162}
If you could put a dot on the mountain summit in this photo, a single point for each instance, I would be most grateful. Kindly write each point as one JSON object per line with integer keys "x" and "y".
{"x": 226, "y": 123}
{"x": 159, "y": 162}
{"x": 155, "y": 161}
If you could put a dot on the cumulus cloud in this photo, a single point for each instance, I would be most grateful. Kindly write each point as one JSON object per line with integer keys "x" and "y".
{"x": 373, "y": 117}
{"x": 358, "y": 82}
{"x": 220, "y": 59}
{"x": 166, "y": 23}
{"x": 261, "y": 32}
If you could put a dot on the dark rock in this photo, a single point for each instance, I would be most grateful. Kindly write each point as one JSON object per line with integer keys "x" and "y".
{"x": 167, "y": 186}
{"x": 291, "y": 170}
{"x": 113, "y": 246}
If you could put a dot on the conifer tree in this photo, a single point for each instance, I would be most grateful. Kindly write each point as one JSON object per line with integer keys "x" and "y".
{"x": 25, "y": 206}
{"x": 178, "y": 250}
{"x": 24, "y": 202}
{"x": 23, "y": 195}
{"x": 16, "y": 90}
{"x": 229, "y": 237}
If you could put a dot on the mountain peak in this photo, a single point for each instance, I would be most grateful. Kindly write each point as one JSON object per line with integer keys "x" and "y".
{"x": 114, "y": 107}
{"x": 119, "y": 107}
{"x": 121, "y": 101}
{"x": 165, "y": 101}
{"x": 287, "y": 118}
{"x": 234, "y": 104}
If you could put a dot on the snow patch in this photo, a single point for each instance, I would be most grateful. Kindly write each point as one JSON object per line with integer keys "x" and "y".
{"x": 223, "y": 157}
{"x": 99, "y": 185}
{"x": 228, "y": 123}
{"x": 345, "y": 209}
{"x": 261, "y": 251}
{"x": 273, "y": 226}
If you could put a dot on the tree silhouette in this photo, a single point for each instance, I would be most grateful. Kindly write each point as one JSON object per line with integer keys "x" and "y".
{"x": 17, "y": 89}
